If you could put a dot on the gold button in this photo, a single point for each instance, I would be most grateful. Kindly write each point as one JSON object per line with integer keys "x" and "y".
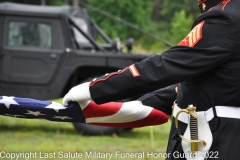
{"x": 94, "y": 79}
{"x": 176, "y": 89}
{"x": 106, "y": 74}
{"x": 119, "y": 70}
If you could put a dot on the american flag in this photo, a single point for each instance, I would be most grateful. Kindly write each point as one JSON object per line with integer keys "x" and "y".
{"x": 36, "y": 109}
{"x": 116, "y": 114}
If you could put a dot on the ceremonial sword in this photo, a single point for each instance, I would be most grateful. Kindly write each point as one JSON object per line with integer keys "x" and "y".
{"x": 193, "y": 124}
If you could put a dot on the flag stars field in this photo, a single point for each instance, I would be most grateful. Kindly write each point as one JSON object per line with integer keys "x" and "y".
{"x": 36, "y": 113}
{"x": 62, "y": 117}
{"x": 56, "y": 106}
{"x": 11, "y": 115}
{"x": 8, "y": 101}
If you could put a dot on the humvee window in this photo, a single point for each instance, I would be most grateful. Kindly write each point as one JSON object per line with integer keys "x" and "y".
{"x": 84, "y": 27}
{"x": 79, "y": 37}
{"x": 30, "y": 34}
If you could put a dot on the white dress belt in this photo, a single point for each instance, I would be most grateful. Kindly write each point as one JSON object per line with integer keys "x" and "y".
{"x": 222, "y": 111}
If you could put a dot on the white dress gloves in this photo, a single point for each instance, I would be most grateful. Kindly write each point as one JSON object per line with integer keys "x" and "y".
{"x": 78, "y": 93}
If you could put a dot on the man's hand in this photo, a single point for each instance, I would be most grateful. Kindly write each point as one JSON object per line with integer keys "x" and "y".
{"x": 78, "y": 94}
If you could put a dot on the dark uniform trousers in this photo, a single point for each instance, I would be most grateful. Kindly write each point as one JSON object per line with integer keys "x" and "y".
{"x": 205, "y": 66}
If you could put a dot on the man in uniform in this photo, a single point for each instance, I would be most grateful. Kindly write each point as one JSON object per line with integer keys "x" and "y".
{"x": 205, "y": 68}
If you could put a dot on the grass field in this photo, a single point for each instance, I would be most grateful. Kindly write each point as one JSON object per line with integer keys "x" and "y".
{"x": 45, "y": 140}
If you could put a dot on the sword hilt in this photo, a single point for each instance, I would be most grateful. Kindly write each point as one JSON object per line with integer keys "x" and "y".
{"x": 193, "y": 116}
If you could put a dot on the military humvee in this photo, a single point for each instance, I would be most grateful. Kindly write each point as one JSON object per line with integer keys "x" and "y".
{"x": 46, "y": 50}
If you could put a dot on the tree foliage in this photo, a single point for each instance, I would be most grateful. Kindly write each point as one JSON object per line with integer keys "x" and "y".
{"x": 170, "y": 20}
{"x": 137, "y": 12}
{"x": 180, "y": 25}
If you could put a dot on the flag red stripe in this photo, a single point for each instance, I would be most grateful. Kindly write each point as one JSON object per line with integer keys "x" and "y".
{"x": 107, "y": 109}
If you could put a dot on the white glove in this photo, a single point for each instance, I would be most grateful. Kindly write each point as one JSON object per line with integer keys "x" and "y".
{"x": 78, "y": 93}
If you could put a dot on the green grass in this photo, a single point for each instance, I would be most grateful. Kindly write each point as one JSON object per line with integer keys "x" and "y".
{"x": 39, "y": 137}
